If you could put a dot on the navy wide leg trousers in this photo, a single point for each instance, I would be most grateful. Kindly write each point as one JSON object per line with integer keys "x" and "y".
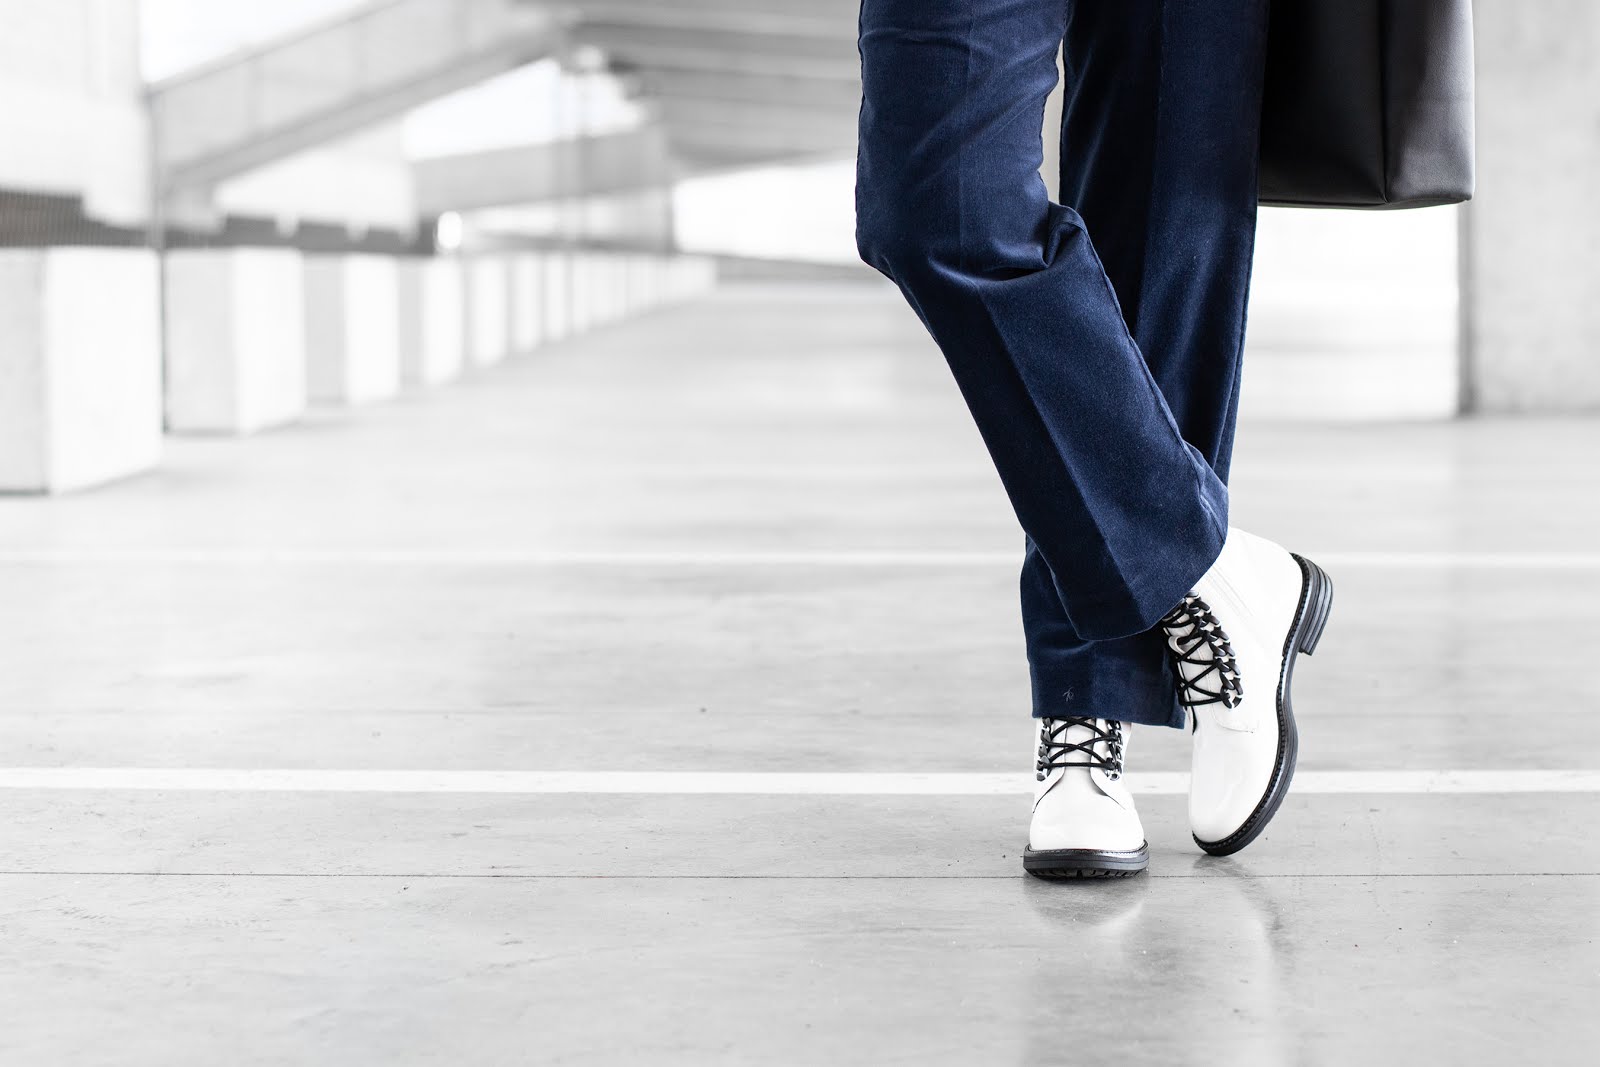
{"x": 1096, "y": 340}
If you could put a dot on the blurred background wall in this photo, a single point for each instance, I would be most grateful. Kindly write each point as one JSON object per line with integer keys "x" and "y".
{"x": 723, "y": 129}
{"x": 1531, "y": 266}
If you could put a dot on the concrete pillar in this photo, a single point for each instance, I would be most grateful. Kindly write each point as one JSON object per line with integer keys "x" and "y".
{"x": 1531, "y": 242}
{"x": 557, "y": 303}
{"x": 236, "y": 339}
{"x": 80, "y": 367}
{"x": 488, "y": 310}
{"x": 433, "y": 321}
{"x": 527, "y": 296}
{"x": 352, "y": 328}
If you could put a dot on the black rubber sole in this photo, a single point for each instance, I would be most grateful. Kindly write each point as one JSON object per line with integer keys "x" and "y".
{"x": 1310, "y": 619}
{"x": 1062, "y": 864}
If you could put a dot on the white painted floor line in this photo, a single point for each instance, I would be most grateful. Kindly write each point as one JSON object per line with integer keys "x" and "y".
{"x": 878, "y": 559}
{"x": 754, "y": 783}
{"x": 520, "y": 558}
{"x": 1444, "y": 561}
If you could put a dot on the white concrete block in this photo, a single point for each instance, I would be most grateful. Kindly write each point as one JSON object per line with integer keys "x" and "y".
{"x": 236, "y": 339}
{"x": 557, "y": 303}
{"x": 681, "y": 282}
{"x": 702, "y": 275}
{"x": 585, "y": 291}
{"x": 80, "y": 367}
{"x": 601, "y": 310}
{"x": 672, "y": 282}
{"x": 643, "y": 290}
{"x": 657, "y": 286}
{"x": 639, "y": 283}
{"x": 621, "y": 292}
{"x": 613, "y": 286}
{"x": 632, "y": 286}
{"x": 527, "y": 297}
{"x": 578, "y": 293}
{"x": 597, "y": 307}
{"x": 433, "y": 321}
{"x": 352, "y": 328}
{"x": 690, "y": 276}
{"x": 488, "y": 310}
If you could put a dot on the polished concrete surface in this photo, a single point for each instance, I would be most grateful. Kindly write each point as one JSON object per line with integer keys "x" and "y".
{"x": 757, "y": 534}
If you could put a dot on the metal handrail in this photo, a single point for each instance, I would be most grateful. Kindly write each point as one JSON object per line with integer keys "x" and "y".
{"x": 680, "y": 16}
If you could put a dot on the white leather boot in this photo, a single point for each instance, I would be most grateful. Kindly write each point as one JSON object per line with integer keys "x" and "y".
{"x": 1084, "y": 824}
{"x": 1234, "y": 640}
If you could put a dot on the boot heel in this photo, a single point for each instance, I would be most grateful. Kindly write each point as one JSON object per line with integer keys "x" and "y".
{"x": 1319, "y": 603}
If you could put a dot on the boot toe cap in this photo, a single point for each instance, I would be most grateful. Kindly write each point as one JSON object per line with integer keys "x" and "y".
{"x": 1097, "y": 823}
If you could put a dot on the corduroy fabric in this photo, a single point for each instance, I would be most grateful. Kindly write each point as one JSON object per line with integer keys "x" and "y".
{"x": 1102, "y": 371}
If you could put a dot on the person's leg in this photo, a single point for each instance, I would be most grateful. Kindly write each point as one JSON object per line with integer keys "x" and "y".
{"x": 1159, "y": 149}
{"x": 1167, "y": 182}
{"x": 1123, "y": 512}
{"x": 1126, "y": 678}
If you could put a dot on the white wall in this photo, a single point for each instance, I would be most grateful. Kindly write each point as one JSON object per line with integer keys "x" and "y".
{"x": 73, "y": 121}
{"x": 1353, "y": 314}
{"x": 732, "y": 213}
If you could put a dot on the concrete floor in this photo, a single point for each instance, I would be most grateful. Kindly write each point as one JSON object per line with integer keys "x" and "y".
{"x": 758, "y": 535}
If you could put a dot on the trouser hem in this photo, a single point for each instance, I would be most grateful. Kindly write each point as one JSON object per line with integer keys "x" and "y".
{"x": 1129, "y": 680}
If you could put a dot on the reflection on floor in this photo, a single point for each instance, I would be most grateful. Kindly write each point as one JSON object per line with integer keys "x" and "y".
{"x": 757, "y": 535}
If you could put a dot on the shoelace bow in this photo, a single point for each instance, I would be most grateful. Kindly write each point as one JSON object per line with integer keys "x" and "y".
{"x": 1191, "y": 628}
{"x": 1054, "y": 748}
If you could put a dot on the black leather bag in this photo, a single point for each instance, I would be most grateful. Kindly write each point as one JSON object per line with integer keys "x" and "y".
{"x": 1368, "y": 104}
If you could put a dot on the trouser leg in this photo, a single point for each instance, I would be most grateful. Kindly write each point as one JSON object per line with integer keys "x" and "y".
{"x": 1159, "y": 154}
{"x": 1123, "y": 512}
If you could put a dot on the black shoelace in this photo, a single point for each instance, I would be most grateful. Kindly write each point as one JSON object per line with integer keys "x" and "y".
{"x": 1055, "y": 749}
{"x": 1198, "y": 640}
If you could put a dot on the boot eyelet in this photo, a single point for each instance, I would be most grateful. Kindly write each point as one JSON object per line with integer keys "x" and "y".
{"x": 1199, "y": 642}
